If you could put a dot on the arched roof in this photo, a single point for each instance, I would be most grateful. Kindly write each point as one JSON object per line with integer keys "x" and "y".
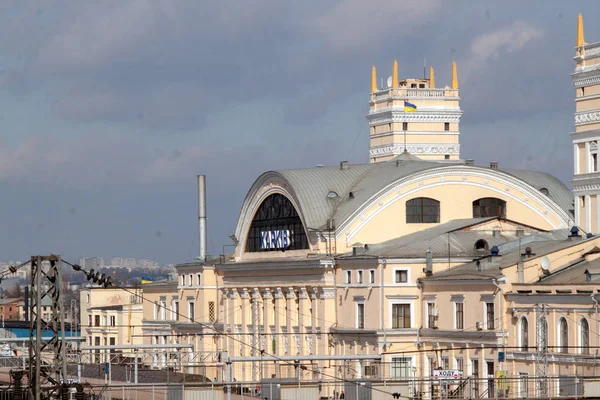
{"x": 358, "y": 183}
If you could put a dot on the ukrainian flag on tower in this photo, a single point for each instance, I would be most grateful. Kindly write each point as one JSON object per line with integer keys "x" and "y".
{"x": 409, "y": 107}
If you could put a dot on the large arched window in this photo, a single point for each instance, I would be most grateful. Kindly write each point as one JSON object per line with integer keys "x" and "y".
{"x": 584, "y": 336}
{"x": 489, "y": 207}
{"x": 276, "y": 226}
{"x": 542, "y": 335}
{"x": 422, "y": 210}
{"x": 563, "y": 332}
{"x": 524, "y": 335}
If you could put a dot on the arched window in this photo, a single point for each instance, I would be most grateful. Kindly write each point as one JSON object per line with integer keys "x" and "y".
{"x": 276, "y": 226}
{"x": 584, "y": 340}
{"x": 489, "y": 207}
{"x": 481, "y": 245}
{"x": 542, "y": 335}
{"x": 524, "y": 335}
{"x": 422, "y": 210}
{"x": 563, "y": 332}
{"x": 545, "y": 191}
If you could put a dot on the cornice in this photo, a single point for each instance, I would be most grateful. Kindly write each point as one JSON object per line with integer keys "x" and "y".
{"x": 419, "y": 148}
{"x": 587, "y": 117}
{"x": 389, "y": 115}
{"x": 401, "y": 133}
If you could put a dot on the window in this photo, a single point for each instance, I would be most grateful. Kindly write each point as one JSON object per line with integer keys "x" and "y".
{"x": 372, "y": 276}
{"x": 175, "y": 310}
{"x": 182, "y": 280}
{"x": 400, "y": 316}
{"x": 445, "y": 363}
{"x": 97, "y": 341}
{"x": 191, "y": 311}
{"x": 459, "y": 315}
{"x": 421, "y": 86}
{"x": 87, "y": 298}
{"x": 432, "y": 317}
{"x": 401, "y": 367}
{"x": 211, "y": 311}
{"x": 401, "y": 276}
{"x": 446, "y": 156}
{"x": 489, "y": 311}
{"x": 105, "y": 341}
{"x": 446, "y": 126}
{"x": 191, "y": 280}
{"x": 405, "y": 126}
{"x": 422, "y": 210}
{"x": 113, "y": 320}
{"x": 348, "y": 276}
{"x": 564, "y": 336}
{"x": 481, "y": 245}
{"x": 594, "y": 163}
{"x": 459, "y": 364}
{"x": 545, "y": 191}
{"x": 199, "y": 279}
{"x": 413, "y": 85}
{"x": 489, "y": 207}
{"x": 524, "y": 333}
{"x": 96, "y": 320}
{"x": 584, "y": 340}
{"x": 163, "y": 309}
{"x": 89, "y": 320}
{"x": 360, "y": 315}
{"x": 112, "y": 341}
{"x": 542, "y": 343}
{"x": 359, "y": 276}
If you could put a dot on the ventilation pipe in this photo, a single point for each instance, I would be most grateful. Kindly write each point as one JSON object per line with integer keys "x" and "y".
{"x": 494, "y": 165}
{"x": 202, "y": 216}
{"x": 470, "y": 162}
{"x": 428, "y": 262}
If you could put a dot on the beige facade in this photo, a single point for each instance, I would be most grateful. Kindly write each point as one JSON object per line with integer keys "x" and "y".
{"x": 110, "y": 317}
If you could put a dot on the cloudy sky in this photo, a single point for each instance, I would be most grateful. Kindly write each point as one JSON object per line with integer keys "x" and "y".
{"x": 109, "y": 112}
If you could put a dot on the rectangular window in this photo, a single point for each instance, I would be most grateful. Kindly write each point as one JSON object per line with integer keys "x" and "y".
{"x": 112, "y": 341}
{"x": 89, "y": 320}
{"x": 400, "y": 316}
{"x": 176, "y": 310}
{"x": 211, "y": 311}
{"x": 97, "y": 341}
{"x": 445, "y": 363}
{"x": 372, "y": 276}
{"x": 421, "y": 86}
{"x": 405, "y": 126}
{"x": 359, "y": 276}
{"x": 191, "y": 280}
{"x": 401, "y": 367}
{"x": 96, "y": 320}
{"x": 446, "y": 126}
{"x": 199, "y": 279}
{"x": 191, "y": 311}
{"x": 459, "y": 364}
{"x": 182, "y": 280}
{"x": 360, "y": 315}
{"x": 401, "y": 276}
{"x": 489, "y": 309}
{"x": 594, "y": 162}
{"x": 459, "y": 315}
{"x": 113, "y": 320}
{"x": 348, "y": 276}
{"x": 432, "y": 317}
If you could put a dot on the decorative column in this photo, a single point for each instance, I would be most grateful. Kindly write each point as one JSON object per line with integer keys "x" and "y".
{"x": 314, "y": 350}
{"x": 243, "y": 304}
{"x": 302, "y": 316}
{"x": 289, "y": 307}
{"x": 279, "y": 306}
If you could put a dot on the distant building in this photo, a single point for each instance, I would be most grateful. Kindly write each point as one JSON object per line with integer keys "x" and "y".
{"x": 10, "y": 309}
{"x": 91, "y": 262}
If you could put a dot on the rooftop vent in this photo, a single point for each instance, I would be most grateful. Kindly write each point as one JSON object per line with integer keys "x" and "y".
{"x": 351, "y": 195}
{"x": 574, "y": 233}
{"x": 477, "y": 265}
{"x": 589, "y": 235}
{"x": 470, "y": 162}
{"x": 344, "y": 165}
{"x": 495, "y": 251}
{"x": 496, "y": 233}
{"x": 520, "y": 233}
{"x": 494, "y": 165}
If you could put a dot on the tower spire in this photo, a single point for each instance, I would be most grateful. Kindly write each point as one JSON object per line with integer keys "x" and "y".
{"x": 580, "y": 39}
{"x": 431, "y": 78}
{"x": 395, "y": 75}
{"x": 373, "y": 79}
{"x": 454, "y": 76}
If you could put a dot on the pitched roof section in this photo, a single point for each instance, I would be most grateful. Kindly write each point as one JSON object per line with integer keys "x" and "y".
{"x": 358, "y": 183}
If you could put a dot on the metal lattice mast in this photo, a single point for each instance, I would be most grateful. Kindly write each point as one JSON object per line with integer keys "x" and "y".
{"x": 541, "y": 354}
{"x": 46, "y": 279}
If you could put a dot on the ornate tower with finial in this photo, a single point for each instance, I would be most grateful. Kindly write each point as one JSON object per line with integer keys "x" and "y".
{"x": 586, "y": 138}
{"x": 413, "y": 115}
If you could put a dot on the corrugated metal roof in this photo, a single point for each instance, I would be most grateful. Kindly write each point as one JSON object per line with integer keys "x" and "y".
{"x": 312, "y": 185}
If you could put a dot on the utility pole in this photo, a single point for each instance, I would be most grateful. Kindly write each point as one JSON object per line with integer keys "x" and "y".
{"x": 541, "y": 355}
{"x": 255, "y": 334}
{"x": 46, "y": 281}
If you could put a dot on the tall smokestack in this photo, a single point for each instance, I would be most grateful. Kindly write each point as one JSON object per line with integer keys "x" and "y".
{"x": 202, "y": 216}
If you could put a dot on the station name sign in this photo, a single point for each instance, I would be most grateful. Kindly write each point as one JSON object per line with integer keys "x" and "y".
{"x": 275, "y": 239}
{"x": 446, "y": 374}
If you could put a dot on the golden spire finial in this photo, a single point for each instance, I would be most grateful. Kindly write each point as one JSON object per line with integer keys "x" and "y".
{"x": 431, "y": 78}
{"x": 373, "y": 80}
{"x": 454, "y": 76}
{"x": 579, "y": 30}
{"x": 395, "y": 75}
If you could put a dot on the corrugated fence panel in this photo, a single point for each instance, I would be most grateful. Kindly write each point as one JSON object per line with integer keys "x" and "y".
{"x": 203, "y": 394}
{"x": 302, "y": 393}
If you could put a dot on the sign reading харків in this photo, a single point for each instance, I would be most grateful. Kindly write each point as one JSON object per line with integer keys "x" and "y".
{"x": 275, "y": 239}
